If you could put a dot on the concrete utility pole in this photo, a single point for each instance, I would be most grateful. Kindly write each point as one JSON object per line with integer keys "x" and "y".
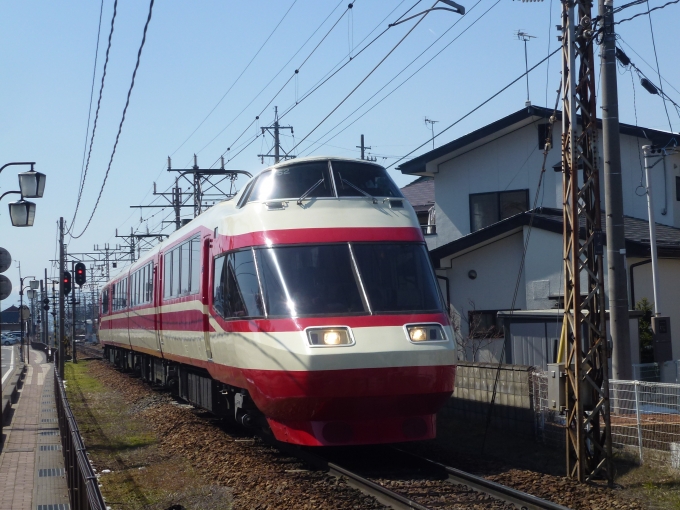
{"x": 646, "y": 150}
{"x": 363, "y": 148}
{"x": 616, "y": 238}
{"x": 62, "y": 314}
{"x": 73, "y": 314}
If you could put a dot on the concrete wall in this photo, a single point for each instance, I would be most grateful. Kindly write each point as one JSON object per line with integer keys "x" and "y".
{"x": 513, "y": 408}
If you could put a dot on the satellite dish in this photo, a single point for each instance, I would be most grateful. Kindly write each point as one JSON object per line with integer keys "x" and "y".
{"x": 5, "y": 287}
{"x": 5, "y": 261}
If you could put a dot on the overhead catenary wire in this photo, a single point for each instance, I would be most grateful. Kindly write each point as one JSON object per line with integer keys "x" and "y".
{"x": 309, "y": 148}
{"x": 237, "y": 79}
{"x": 96, "y": 116}
{"x": 365, "y": 78}
{"x": 646, "y": 12}
{"x": 335, "y": 70}
{"x": 122, "y": 120}
{"x": 493, "y": 96}
{"x": 277, "y": 74}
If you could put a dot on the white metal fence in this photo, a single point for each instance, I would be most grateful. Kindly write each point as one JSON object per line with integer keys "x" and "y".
{"x": 645, "y": 418}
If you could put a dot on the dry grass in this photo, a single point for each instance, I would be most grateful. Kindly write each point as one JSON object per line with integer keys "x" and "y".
{"x": 141, "y": 475}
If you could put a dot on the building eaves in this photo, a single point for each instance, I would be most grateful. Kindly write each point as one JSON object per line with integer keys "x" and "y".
{"x": 636, "y": 232}
{"x": 418, "y": 164}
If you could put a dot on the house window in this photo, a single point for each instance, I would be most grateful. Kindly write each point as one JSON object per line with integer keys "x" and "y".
{"x": 489, "y": 208}
{"x": 543, "y": 130}
{"x": 485, "y": 324}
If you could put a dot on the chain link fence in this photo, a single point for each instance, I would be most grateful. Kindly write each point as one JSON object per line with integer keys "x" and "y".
{"x": 645, "y": 418}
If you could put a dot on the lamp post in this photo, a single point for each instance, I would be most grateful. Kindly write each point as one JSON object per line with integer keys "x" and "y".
{"x": 31, "y": 185}
{"x": 32, "y": 285}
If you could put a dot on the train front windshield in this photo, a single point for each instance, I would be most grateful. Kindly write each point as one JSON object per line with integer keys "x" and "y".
{"x": 344, "y": 279}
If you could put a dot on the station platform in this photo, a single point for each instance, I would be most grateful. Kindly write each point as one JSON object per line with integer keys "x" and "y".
{"x": 32, "y": 474}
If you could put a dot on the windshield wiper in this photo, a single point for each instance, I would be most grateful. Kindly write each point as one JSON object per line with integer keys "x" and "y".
{"x": 345, "y": 181}
{"x": 304, "y": 195}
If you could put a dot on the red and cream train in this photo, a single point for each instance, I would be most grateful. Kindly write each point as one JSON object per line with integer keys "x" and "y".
{"x": 306, "y": 304}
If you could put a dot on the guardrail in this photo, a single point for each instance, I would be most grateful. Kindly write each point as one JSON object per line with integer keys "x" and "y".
{"x": 82, "y": 483}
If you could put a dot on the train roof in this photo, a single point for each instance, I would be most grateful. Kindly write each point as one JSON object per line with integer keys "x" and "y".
{"x": 213, "y": 217}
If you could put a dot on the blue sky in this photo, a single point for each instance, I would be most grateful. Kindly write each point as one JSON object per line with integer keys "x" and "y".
{"x": 194, "y": 53}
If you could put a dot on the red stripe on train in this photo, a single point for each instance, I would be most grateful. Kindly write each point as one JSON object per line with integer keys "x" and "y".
{"x": 192, "y": 320}
{"x": 319, "y": 235}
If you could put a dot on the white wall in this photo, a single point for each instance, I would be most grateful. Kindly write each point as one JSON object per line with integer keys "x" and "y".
{"x": 513, "y": 161}
{"x": 496, "y": 265}
{"x": 510, "y": 162}
{"x": 669, "y": 293}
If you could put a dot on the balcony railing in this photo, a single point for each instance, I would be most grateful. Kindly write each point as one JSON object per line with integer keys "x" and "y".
{"x": 429, "y": 230}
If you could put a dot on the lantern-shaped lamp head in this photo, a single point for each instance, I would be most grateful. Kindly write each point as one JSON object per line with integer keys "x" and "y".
{"x": 22, "y": 213}
{"x": 32, "y": 184}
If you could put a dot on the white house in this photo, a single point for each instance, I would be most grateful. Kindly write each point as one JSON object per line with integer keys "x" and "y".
{"x": 485, "y": 181}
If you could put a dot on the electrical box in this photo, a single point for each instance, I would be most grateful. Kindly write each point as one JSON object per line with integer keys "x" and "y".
{"x": 663, "y": 348}
{"x": 556, "y": 387}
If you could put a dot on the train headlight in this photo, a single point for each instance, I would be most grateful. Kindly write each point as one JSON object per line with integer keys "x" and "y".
{"x": 329, "y": 337}
{"x": 418, "y": 333}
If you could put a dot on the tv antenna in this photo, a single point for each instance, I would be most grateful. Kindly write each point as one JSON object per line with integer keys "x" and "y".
{"x": 525, "y": 37}
{"x": 431, "y": 123}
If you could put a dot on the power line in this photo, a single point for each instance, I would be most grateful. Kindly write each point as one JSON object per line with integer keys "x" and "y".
{"x": 646, "y": 12}
{"x": 477, "y": 107}
{"x": 658, "y": 72}
{"x": 122, "y": 120}
{"x": 96, "y": 116}
{"x": 647, "y": 63}
{"x": 89, "y": 109}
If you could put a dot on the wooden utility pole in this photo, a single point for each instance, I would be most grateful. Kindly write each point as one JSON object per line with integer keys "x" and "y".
{"x": 587, "y": 379}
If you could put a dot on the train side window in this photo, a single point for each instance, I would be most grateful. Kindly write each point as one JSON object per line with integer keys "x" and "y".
{"x": 149, "y": 284}
{"x": 105, "y": 301}
{"x": 195, "y": 265}
{"x": 218, "y": 286}
{"x": 185, "y": 271}
{"x": 237, "y": 290}
{"x": 167, "y": 277}
{"x": 175, "y": 272}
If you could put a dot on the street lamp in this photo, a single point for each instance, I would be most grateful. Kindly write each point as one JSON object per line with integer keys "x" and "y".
{"x": 33, "y": 284}
{"x": 31, "y": 185}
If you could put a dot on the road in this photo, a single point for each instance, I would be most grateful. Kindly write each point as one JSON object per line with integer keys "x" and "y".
{"x": 9, "y": 360}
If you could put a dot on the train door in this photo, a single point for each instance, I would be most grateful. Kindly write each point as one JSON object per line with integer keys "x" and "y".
{"x": 156, "y": 302}
{"x": 205, "y": 294}
{"x": 159, "y": 281}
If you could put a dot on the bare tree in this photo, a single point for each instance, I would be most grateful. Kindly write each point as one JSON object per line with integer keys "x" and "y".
{"x": 480, "y": 336}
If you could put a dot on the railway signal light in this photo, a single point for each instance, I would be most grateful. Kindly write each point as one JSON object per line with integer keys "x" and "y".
{"x": 80, "y": 274}
{"x": 67, "y": 283}
{"x": 46, "y": 304}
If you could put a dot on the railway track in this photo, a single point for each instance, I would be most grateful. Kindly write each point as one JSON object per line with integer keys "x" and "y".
{"x": 402, "y": 480}
{"x": 89, "y": 352}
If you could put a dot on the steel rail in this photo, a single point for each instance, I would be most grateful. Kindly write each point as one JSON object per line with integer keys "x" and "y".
{"x": 518, "y": 498}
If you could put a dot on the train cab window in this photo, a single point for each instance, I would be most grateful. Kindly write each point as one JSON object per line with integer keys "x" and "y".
{"x": 351, "y": 179}
{"x": 293, "y": 181}
{"x": 105, "y": 301}
{"x": 185, "y": 271}
{"x": 236, "y": 287}
{"x": 309, "y": 280}
{"x": 397, "y": 277}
